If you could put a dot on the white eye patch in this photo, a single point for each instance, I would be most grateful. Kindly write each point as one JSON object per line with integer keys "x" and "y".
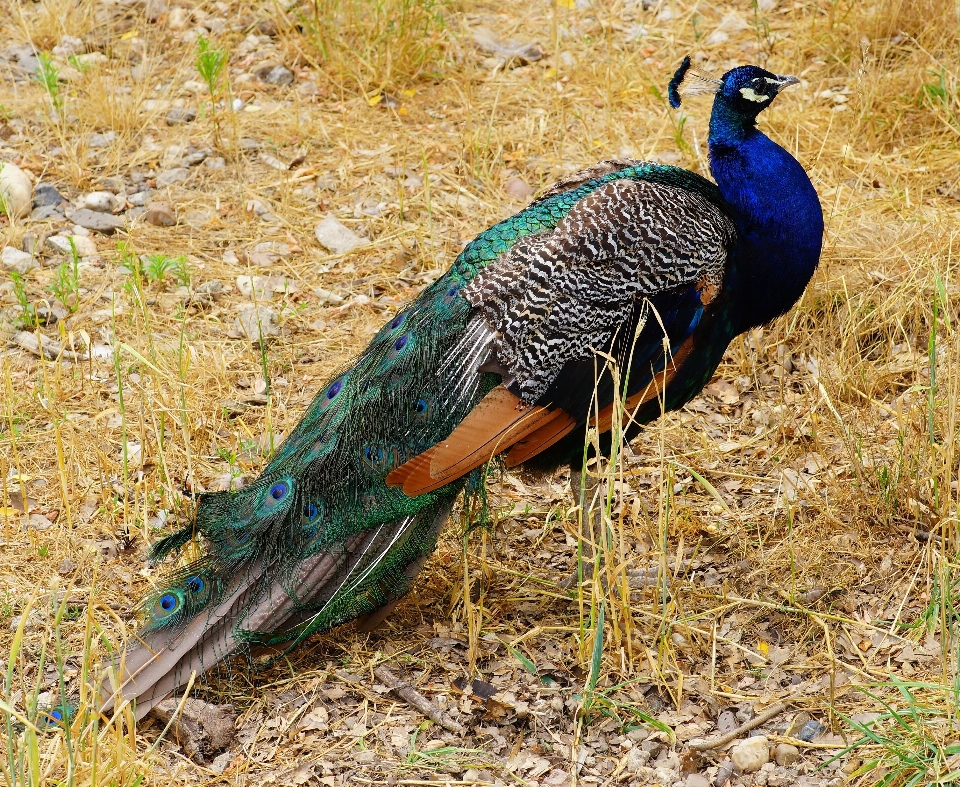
{"x": 751, "y": 95}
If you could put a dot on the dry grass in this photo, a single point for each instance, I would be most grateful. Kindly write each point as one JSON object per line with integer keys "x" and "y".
{"x": 764, "y": 538}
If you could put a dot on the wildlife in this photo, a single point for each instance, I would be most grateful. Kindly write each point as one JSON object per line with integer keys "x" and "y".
{"x": 650, "y": 266}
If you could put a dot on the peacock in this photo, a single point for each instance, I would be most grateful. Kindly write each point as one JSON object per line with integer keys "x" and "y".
{"x": 650, "y": 266}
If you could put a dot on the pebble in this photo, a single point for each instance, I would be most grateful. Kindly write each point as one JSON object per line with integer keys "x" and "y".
{"x": 696, "y": 780}
{"x": 97, "y": 140}
{"x": 751, "y": 754}
{"x": 106, "y": 223}
{"x": 85, "y": 246}
{"x": 139, "y": 198}
{"x": 786, "y": 754}
{"x": 46, "y": 195}
{"x": 195, "y": 157}
{"x": 215, "y": 162}
{"x": 518, "y": 187}
{"x": 246, "y": 143}
{"x": 160, "y": 214}
{"x": 335, "y": 237}
{"x": 66, "y": 567}
{"x": 69, "y": 45}
{"x": 812, "y": 729}
{"x": 726, "y": 722}
{"x": 16, "y": 191}
{"x": 278, "y": 75}
{"x": 254, "y": 322}
{"x": 113, "y": 184}
{"x": 724, "y": 773}
{"x": 47, "y": 212}
{"x": 176, "y": 116}
{"x": 171, "y": 176}
{"x": 102, "y": 201}
{"x": 19, "y": 261}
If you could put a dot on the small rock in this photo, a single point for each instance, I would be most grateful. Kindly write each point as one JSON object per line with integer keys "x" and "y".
{"x": 215, "y": 162}
{"x": 221, "y": 762}
{"x": 811, "y": 730}
{"x": 784, "y": 754}
{"x": 518, "y": 187}
{"x": 724, "y": 773}
{"x": 47, "y": 213}
{"x": 45, "y": 195}
{"x": 97, "y": 140}
{"x": 50, "y": 315}
{"x": 38, "y": 522}
{"x": 15, "y": 260}
{"x": 16, "y": 191}
{"x": 726, "y": 722}
{"x": 255, "y": 322}
{"x": 751, "y": 754}
{"x": 177, "y": 115}
{"x": 195, "y": 157}
{"x": 85, "y": 246}
{"x": 105, "y": 223}
{"x": 169, "y": 177}
{"x": 201, "y": 729}
{"x": 696, "y": 780}
{"x": 716, "y": 37}
{"x": 66, "y": 567}
{"x": 139, "y": 198}
{"x": 69, "y": 45}
{"x": 335, "y": 237}
{"x": 160, "y": 214}
{"x": 264, "y": 286}
{"x": 278, "y": 75}
{"x": 29, "y": 243}
{"x": 247, "y": 144}
{"x": 101, "y": 201}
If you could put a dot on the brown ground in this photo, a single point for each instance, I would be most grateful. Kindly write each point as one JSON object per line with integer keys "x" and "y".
{"x": 789, "y": 536}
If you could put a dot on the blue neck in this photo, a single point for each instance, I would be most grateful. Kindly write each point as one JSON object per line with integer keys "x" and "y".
{"x": 777, "y": 212}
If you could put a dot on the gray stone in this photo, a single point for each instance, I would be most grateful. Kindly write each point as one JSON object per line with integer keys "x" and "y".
{"x": 246, "y": 143}
{"x": 750, "y": 755}
{"x": 726, "y": 721}
{"x": 45, "y": 194}
{"x": 335, "y": 237}
{"x": 724, "y": 773}
{"x": 215, "y": 162}
{"x": 97, "y": 140}
{"x": 785, "y": 754}
{"x": 105, "y": 223}
{"x": 139, "y": 198}
{"x": 278, "y": 75}
{"x": 696, "y": 780}
{"x": 195, "y": 157}
{"x": 255, "y": 322}
{"x": 178, "y": 115}
{"x": 19, "y": 261}
{"x": 47, "y": 213}
{"x": 169, "y": 177}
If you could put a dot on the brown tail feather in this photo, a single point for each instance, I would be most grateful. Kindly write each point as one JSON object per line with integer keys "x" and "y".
{"x": 548, "y": 434}
{"x": 496, "y": 423}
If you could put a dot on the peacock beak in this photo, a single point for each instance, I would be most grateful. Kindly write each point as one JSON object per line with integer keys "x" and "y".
{"x": 785, "y": 80}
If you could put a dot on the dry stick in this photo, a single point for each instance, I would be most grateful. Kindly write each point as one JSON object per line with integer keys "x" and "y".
{"x": 706, "y": 744}
{"x": 405, "y": 691}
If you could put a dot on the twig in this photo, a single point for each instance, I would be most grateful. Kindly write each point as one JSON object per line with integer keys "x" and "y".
{"x": 405, "y": 691}
{"x": 706, "y": 744}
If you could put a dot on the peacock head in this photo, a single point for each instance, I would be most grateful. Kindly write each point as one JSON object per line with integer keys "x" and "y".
{"x": 747, "y": 90}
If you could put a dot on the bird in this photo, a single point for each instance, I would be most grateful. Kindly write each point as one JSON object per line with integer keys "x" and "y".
{"x": 629, "y": 264}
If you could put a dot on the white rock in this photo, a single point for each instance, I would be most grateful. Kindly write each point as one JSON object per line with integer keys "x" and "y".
{"x": 767, "y": 5}
{"x": 750, "y": 755}
{"x": 716, "y": 37}
{"x": 15, "y": 260}
{"x": 16, "y": 191}
{"x": 84, "y": 244}
{"x": 333, "y": 236}
{"x": 102, "y": 201}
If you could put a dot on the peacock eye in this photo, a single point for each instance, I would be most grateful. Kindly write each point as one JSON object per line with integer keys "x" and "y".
{"x": 195, "y": 584}
{"x": 334, "y": 389}
{"x": 397, "y": 321}
{"x": 278, "y": 491}
{"x": 168, "y": 603}
{"x": 311, "y": 512}
{"x": 421, "y": 406}
{"x": 400, "y": 343}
